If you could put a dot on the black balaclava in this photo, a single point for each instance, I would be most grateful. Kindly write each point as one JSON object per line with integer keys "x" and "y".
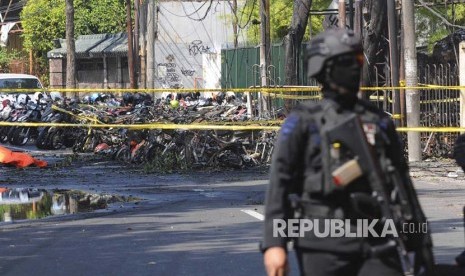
{"x": 342, "y": 75}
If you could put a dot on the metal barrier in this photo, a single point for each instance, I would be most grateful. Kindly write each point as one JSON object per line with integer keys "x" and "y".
{"x": 439, "y": 108}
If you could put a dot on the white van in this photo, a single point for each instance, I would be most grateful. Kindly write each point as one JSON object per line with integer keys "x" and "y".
{"x": 20, "y": 81}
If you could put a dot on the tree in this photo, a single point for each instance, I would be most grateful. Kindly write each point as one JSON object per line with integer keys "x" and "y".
{"x": 70, "y": 44}
{"x": 6, "y": 57}
{"x": 437, "y": 22}
{"x": 373, "y": 42}
{"x": 293, "y": 40}
{"x": 281, "y": 15}
{"x": 43, "y": 22}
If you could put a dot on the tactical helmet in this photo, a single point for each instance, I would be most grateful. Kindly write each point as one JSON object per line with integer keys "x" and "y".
{"x": 329, "y": 44}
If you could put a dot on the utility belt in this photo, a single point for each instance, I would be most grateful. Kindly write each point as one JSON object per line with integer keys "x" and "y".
{"x": 317, "y": 209}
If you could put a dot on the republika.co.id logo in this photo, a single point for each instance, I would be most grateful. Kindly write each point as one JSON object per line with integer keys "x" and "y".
{"x": 336, "y": 228}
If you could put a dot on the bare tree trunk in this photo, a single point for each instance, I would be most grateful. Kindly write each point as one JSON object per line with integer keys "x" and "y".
{"x": 293, "y": 40}
{"x": 136, "y": 43}
{"x": 292, "y": 44}
{"x": 70, "y": 49}
{"x": 234, "y": 22}
{"x": 151, "y": 37}
{"x": 132, "y": 79}
{"x": 372, "y": 37}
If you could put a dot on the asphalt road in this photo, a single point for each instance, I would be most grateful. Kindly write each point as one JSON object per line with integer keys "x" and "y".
{"x": 201, "y": 223}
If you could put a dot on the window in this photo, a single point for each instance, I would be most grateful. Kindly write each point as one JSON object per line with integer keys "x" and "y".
{"x": 89, "y": 64}
{"x": 20, "y": 83}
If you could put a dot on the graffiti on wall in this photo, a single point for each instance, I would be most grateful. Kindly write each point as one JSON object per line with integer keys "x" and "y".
{"x": 187, "y": 72}
{"x": 196, "y": 47}
{"x": 167, "y": 74}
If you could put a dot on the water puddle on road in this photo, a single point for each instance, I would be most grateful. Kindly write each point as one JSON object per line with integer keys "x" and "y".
{"x": 29, "y": 203}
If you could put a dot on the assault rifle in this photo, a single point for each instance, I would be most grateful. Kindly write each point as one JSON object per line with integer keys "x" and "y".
{"x": 396, "y": 201}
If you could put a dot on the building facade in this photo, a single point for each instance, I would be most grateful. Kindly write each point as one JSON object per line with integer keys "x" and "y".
{"x": 189, "y": 39}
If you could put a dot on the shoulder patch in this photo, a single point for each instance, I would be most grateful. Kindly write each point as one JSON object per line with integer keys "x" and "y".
{"x": 288, "y": 126}
{"x": 384, "y": 123}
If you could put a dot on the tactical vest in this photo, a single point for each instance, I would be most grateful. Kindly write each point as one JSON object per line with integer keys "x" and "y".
{"x": 322, "y": 159}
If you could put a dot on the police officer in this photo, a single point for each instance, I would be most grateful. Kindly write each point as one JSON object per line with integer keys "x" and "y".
{"x": 335, "y": 59}
{"x": 459, "y": 156}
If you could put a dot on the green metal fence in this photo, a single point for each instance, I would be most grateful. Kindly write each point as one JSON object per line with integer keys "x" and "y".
{"x": 240, "y": 67}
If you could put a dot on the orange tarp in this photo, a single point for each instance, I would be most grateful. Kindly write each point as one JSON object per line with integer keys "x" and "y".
{"x": 19, "y": 159}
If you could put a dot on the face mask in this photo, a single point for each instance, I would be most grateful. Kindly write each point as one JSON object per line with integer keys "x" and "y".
{"x": 345, "y": 72}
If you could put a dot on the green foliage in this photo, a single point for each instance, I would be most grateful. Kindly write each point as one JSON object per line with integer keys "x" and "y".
{"x": 166, "y": 163}
{"x": 100, "y": 16}
{"x": 6, "y": 57}
{"x": 26, "y": 211}
{"x": 45, "y": 20}
{"x": 280, "y": 18}
{"x": 457, "y": 14}
{"x": 430, "y": 27}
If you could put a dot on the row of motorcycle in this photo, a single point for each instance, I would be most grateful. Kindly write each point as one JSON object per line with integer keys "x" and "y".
{"x": 205, "y": 148}
{"x": 34, "y": 112}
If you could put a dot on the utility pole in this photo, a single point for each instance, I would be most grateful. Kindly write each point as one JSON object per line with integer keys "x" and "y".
{"x": 394, "y": 58}
{"x": 412, "y": 96}
{"x": 70, "y": 49}
{"x": 264, "y": 52}
{"x": 342, "y": 14}
{"x": 358, "y": 18}
{"x": 132, "y": 83}
{"x": 143, "y": 43}
{"x": 136, "y": 43}
{"x": 151, "y": 21}
{"x": 402, "y": 79}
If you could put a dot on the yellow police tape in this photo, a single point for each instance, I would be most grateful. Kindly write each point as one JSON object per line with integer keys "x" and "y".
{"x": 252, "y": 126}
{"x": 145, "y": 126}
{"x": 291, "y": 97}
{"x": 240, "y": 90}
{"x": 430, "y": 129}
{"x": 81, "y": 117}
{"x": 377, "y": 98}
{"x": 95, "y": 120}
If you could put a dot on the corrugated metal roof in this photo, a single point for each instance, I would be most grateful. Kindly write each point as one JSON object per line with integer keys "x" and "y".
{"x": 85, "y": 43}
{"x": 94, "y": 46}
{"x": 114, "y": 45}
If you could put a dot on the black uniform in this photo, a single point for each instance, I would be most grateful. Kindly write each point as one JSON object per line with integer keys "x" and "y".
{"x": 297, "y": 168}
